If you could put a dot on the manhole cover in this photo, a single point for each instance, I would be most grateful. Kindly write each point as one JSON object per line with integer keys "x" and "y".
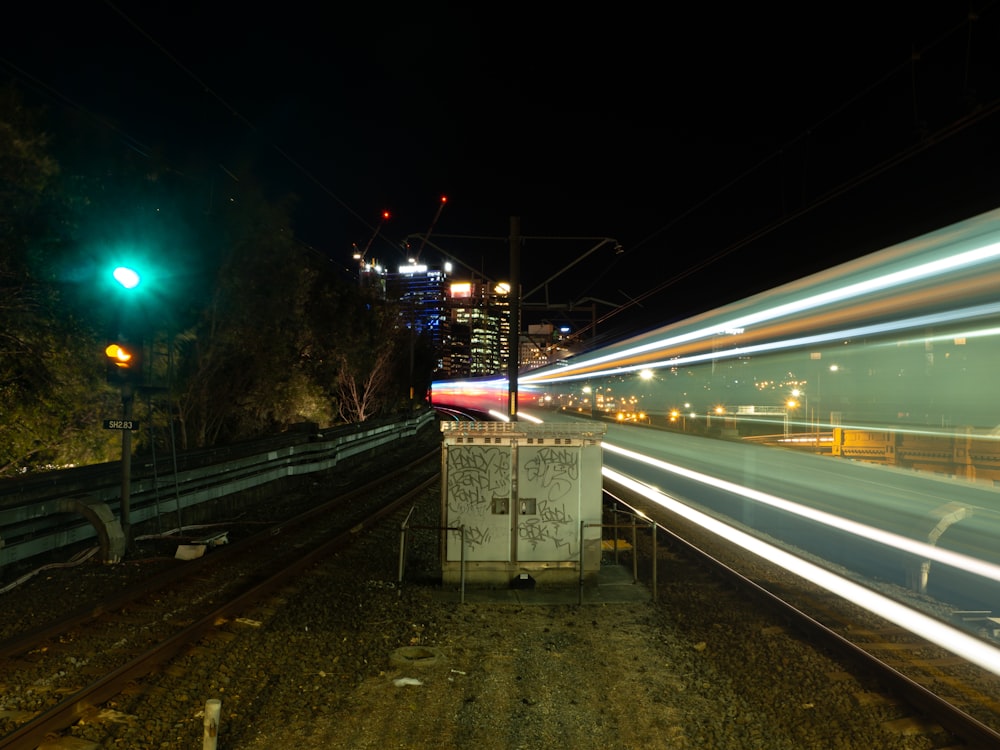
{"x": 415, "y": 656}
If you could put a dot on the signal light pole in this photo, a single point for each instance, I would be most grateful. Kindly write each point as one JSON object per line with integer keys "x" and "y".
{"x": 128, "y": 397}
{"x": 125, "y": 364}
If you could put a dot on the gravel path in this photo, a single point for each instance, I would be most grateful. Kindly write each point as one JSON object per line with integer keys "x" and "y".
{"x": 704, "y": 667}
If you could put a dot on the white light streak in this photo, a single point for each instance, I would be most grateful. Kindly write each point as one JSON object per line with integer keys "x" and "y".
{"x": 947, "y": 637}
{"x": 771, "y": 346}
{"x": 922, "y": 549}
{"x": 920, "y": 272}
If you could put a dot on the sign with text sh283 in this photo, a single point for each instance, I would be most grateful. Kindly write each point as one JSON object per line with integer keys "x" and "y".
{"x": 121, "y": 424}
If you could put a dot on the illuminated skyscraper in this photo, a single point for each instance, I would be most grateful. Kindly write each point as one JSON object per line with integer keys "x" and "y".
{"x": 476, "y": 342}
{"x": 421, "y": 292}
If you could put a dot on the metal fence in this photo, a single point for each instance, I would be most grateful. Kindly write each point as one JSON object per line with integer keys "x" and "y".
{"x": 59, "y": 509}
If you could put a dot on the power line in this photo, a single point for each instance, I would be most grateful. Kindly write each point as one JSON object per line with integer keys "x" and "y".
{"x": 971, "y": 18}
{"x": 232, "y": 110}
{"x": 51, "y": 93}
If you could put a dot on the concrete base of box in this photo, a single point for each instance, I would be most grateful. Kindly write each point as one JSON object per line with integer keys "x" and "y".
{"x": 496, "y": 575}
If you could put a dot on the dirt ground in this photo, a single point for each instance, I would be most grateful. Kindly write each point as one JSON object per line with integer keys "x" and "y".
{"x": 536, "y": 677}
{"x": 513, "y": 676}
{"x": 701, "y": 667}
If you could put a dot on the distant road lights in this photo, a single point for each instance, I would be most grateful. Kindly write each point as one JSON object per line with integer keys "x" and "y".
{"x": 676, "y": 416}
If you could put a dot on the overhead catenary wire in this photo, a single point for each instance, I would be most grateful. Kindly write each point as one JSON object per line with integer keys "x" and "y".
{"x": 967, "y": 23}
{"x": 231, "y": 109}
{"x": 926, "y": 141}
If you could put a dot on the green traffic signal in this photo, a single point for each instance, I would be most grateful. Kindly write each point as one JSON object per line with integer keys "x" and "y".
{"x": 127, "y": 277}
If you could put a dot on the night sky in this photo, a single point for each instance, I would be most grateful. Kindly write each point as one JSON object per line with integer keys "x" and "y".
{"x": 727, "y": 151}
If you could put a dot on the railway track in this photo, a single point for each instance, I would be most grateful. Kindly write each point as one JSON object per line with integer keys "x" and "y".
{"x": 940, "y": 687}
{"x": 97, "y": 654}
{"x": 161, "y": 646}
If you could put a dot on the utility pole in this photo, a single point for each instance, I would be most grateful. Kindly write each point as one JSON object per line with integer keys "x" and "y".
{"x": 514, "y": 337}
{"x": 517, "y": 298}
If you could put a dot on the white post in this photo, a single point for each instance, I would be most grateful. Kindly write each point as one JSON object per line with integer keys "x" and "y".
{"x": 213, "y": 708}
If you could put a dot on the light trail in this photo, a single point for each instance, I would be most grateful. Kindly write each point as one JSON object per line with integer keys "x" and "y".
{"x": 923, "y": 549}
{"x": 920, "y": 272}
{"x": 947, "y": 637}
{"x": 620, "y": 366}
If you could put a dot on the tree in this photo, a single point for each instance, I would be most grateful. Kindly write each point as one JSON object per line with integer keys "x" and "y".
{"x": 244, "y": 367}
{"x": 51, "y": 391}
{"x": 363, "y": 389}
{"x": 250, "y": 331}
{"x": 356, "y": 345}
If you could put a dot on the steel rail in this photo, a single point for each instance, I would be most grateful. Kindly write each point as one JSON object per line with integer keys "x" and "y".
{"x": 949, "y": 716}
{"x": 68, "y": 711}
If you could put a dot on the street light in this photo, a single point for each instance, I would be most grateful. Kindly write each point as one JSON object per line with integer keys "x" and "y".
{"x": 801, "y": 397}
{"x": 819, "y": 392}
{"x": 790, "y": 405}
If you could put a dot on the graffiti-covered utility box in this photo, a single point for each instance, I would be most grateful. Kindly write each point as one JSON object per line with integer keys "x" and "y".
{"x": 521, "y": 501}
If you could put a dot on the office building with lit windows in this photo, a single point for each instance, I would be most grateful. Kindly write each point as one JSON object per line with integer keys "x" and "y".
{"x": 466, "y": 322}
{"x": 421, "y": 292}
{"x": 477, "y": 340}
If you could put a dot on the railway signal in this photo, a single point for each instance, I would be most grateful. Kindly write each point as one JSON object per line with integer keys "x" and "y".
{"x": 124, "y": 362}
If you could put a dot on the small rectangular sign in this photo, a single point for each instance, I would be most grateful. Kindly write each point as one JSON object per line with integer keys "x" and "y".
{"x": 121, "y": 424}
